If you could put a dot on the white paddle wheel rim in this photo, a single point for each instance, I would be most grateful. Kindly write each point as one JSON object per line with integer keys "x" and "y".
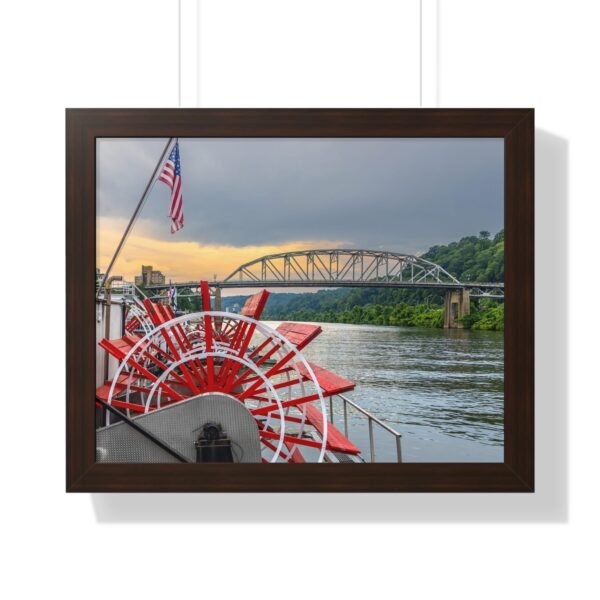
{"x": 135, "y": 312}
{"x": 221, "y": 350}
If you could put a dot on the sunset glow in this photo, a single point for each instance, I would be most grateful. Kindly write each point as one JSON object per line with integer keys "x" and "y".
{"x": 181, "y": 260}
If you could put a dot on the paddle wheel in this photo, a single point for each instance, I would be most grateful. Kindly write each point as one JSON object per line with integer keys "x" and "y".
{"x": 218, "y": 387}
{"x": 136, "y": 318}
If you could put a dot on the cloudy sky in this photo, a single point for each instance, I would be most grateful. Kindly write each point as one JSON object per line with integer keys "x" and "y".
{"x": 244, "y": 198}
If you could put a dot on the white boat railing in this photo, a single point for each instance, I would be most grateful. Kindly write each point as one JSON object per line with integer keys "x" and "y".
{"x": 126, "y": 289}
{"x": 372, "y": 419}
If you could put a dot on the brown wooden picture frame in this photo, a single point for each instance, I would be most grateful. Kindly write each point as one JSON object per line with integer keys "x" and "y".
{"x": 515, "y": 126}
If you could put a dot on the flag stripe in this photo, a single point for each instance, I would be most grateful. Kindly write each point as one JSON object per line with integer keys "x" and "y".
{"x": 171, "y": 176}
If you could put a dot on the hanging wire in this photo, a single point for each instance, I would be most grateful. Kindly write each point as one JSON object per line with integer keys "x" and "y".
{"x": 420, "y": 53}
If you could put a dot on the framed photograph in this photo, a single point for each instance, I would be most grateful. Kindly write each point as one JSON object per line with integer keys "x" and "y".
{"x": 304, "y": 300}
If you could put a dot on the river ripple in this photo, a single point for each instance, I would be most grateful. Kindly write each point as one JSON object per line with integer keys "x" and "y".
{"x": 442, "y": 389}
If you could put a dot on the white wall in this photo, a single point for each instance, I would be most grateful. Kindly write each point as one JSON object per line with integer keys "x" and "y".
{"x": 125, "y": 53}
{"x": 116, "y": 331}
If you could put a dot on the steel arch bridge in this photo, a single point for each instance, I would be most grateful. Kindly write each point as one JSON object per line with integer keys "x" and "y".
{"x": 346, "y": 268}
{"x": 338, "y": 265}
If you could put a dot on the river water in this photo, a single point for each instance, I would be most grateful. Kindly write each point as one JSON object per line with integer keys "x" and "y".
{"x": 441, "y": 389}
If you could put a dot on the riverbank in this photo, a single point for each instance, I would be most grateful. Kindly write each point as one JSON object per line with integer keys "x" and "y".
{"x": 488, "y": 316}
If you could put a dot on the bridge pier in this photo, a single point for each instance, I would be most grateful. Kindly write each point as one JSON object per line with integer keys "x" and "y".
{"x": 217, "y": 298}
{"x": 456, "y": 305}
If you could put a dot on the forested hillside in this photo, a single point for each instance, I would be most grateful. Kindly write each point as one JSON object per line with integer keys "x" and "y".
{"x": 473, "y": 258}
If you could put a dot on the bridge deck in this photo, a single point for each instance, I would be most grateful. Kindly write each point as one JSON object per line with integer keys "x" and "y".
{"x": 330, "y": 284}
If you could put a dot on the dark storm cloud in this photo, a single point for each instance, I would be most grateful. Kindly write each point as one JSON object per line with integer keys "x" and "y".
{"x": 398, "y": 194}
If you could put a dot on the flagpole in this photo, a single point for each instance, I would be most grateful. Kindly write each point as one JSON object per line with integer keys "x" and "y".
{"x": 139, "y": 206}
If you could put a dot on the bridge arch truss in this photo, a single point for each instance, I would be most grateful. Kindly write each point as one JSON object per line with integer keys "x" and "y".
{"x": 341, "y": 266}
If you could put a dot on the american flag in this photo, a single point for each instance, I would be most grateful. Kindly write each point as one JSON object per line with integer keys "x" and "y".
{"x": 171, "y": 175}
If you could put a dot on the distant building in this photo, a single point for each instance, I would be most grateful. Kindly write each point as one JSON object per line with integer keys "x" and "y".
{"x": 157, "y": 278}
{"x": 147, "y": 273}
{"x": 149, "y": 277}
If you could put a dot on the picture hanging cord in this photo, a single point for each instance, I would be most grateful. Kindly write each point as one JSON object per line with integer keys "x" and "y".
{"x": 420, "y": 53}
{"x": 197, "y": 48}
{"x": 179, "y": 52}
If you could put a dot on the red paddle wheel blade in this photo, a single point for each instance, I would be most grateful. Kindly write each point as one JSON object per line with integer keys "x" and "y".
{"x": 299, "y": 334}
{"x": 330, "y": 383}
{"x": 336, "y": 440}
{"x": 254, "y": 305}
